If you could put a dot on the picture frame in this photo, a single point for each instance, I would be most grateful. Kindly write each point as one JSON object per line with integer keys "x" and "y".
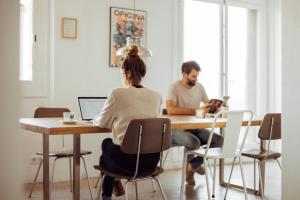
{"x": 68, "y": 28}
{"x": 125, "y": 22}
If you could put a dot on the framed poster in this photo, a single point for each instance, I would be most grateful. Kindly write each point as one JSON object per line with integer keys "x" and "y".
{"x": 68, "y": 28}
{"x": 124, "y": 23}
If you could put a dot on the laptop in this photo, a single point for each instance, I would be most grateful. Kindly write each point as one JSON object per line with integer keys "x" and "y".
{"x": 90, "y": 107}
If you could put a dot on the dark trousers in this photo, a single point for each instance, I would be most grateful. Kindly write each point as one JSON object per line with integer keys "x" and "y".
{"x": 118, "y": 162}
{"x": 192, "y": 139}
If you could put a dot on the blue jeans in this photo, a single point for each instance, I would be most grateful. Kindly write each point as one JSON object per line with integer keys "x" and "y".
{"x": 192, "y": 139}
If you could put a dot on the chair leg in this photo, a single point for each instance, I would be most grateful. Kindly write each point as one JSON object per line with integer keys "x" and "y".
{"x": 153, "y": 186}
{"x": 261, "y": 182}
{"x": 243, "y": 177}
{"x": 87, "y": 177}
{"x": 214, "y": 180}
{"x": 126, "y": 191}
{"x": 70, "y": 170}
{"x": 183, "y": 174}
{"x": 98, "y": 179}
{"x": 52, "y": 179}
{"x": 160, "y": 187}
{"x": 229, "y": 177}
{"x": 136, "y": 190}
{"x": 53, "y": 167}
{"x": 279, "y": 164}
{"x": 211, "y": 173}
{"x": 100, "y": 188}
{"x": 165, "y": 158}
{"x": 35, "y": 178}
{"x": 254, "y": 165}
{"x": 207, "y": 181}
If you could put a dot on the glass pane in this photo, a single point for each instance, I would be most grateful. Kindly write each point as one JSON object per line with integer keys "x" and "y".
{"x": 202, "y": 42}
{"x": 26, "y": 40}
{"x": 241, "y": 58}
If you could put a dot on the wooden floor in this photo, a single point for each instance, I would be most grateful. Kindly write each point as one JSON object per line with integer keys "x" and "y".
{"x": 171, "y": 184}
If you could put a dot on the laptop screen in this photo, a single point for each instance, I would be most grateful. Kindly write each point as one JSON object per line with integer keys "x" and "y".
{"x": 90, "y": 106}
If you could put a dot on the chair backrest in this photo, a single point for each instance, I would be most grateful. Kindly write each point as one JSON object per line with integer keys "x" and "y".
{"x": 271, "y": 127}
{"x": 153, "y": 135}
{"x": 232, "y": 131}
{"x": 44, "y": 112}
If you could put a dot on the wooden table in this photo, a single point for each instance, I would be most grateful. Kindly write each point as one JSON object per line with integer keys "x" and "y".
{"x": 54, "y": 126}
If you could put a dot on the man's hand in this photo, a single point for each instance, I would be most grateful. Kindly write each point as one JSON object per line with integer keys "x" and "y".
{"x": 205, "y": 107}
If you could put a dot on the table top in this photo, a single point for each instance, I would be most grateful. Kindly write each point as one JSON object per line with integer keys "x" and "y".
{"x": 192, "y": 122}
{"x": 54, "y": 126}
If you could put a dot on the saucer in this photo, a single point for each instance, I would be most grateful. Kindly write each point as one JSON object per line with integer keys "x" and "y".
{"x": 69, "y": 122}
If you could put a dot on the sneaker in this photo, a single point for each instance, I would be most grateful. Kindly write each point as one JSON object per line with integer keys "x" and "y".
{"x": 200, "y": 170}
{"x": 189, "y": 172}
{"x": 118, "y": 189}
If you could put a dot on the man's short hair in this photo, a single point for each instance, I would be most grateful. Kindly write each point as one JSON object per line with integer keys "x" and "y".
{"x": 187, "y": 67}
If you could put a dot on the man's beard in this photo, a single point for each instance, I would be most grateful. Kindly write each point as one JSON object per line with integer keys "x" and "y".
{"x": 191, "y": 83}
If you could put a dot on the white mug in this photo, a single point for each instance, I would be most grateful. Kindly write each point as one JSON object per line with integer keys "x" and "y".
{"x": 69, "y": 116}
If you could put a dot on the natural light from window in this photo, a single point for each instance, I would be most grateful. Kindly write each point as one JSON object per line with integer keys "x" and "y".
{"x": 26, "y": 40}
{"x": 237, "y": 57}
{"x": 202, "y": 42}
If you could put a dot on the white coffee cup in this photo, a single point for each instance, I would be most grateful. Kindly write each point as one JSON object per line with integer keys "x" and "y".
{"x": 69, "y": 116}
{"x": 200, "y": 113}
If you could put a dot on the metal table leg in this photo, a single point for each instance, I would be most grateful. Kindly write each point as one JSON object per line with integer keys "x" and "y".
{"x": 46, "y": 182}
{"x": 76, "y": 167}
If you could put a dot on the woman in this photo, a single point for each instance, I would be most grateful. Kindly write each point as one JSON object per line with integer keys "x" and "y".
{"x": 124, "y": 104}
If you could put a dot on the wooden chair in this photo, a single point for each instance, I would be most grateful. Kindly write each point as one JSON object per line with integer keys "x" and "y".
{"x": 269, "y": 130}
{"x": 44, "y": 112}
{"x": 143, "y": 136}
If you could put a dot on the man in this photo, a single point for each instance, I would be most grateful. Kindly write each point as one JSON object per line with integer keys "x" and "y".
{"x": 184, "y": 98}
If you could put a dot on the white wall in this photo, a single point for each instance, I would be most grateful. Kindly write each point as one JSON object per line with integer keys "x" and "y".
{"x": 80, "y": 67}
{"x": 290, "y": 98}
{"x": 10, "y": 145}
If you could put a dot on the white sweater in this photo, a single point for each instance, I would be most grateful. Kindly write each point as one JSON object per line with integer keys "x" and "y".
{"x": 125, "y": 104}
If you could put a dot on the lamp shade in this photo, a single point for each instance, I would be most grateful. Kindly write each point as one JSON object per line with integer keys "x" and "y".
{"x": 143, "y": 52}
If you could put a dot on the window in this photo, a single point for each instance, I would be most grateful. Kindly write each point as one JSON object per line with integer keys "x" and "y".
{"x": 34, "y": 48}
{"x": 241, "y": 55}
{"x": 26, "y": 39}
{"x": 226, "y": 39}
{"x": 202, "y": 42}
{"x": 222, "y": 38}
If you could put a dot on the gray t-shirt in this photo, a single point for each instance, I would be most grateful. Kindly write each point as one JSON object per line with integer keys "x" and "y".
{"x": 188, "y": 98}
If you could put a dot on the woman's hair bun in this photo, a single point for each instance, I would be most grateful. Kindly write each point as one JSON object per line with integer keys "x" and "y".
{"x": 133, "y": 51}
